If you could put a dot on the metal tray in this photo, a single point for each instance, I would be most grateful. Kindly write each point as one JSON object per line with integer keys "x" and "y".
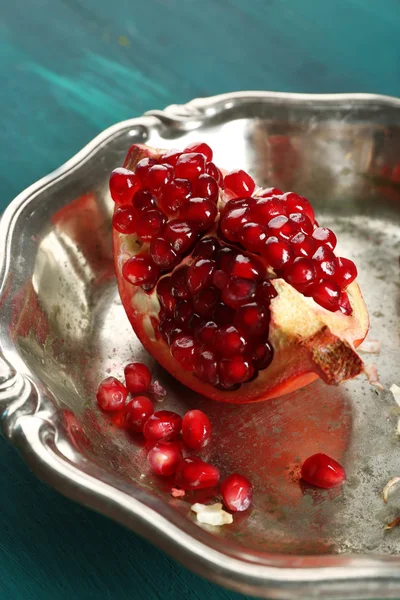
{"x": 62, "y": 328}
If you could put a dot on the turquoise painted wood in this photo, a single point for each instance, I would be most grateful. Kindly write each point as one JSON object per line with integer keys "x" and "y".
{"x": 70, "y": 68}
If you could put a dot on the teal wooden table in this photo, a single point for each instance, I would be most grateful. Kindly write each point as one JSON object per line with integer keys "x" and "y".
{"x": 70, "y": 68}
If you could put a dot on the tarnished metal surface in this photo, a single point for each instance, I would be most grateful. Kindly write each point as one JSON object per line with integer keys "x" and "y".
{"x": 63, "y": 329}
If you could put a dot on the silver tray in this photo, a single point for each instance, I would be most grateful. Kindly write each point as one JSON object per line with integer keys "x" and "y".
{"x": 62, "y": 328}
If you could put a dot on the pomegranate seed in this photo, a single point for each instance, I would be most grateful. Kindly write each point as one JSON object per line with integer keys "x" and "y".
{"x": 325, "y": 263}
{"x": 235, "y": 203}
{"x": 237, "y": 492}
{"x": 170, "y": 157}
{"x": 253, "y": 236}
{"x": 164, "y": 458}
{"x": 300, "y": 273}
{"x": 149, "y": 224}
{"x": 301, "y": 222}
{"x": 137, "y": 411}
{"x": 162, "y": 253}
{"x": 278, "y": 253}
{"x": 137, "y": 377}
{"x": 111, "y": 394}
{"x": 200, "y": 211}
{"x": 224, "y": 259}
{"x": 175, "y": 194}
{"x": 205, "y": 300}
{"x": 202, "y": 148}
{"x": 212, "y": 170}
{"x": 206, "y": 248}
{"x": 246, "y": 267}
{"x": 207, "y": 367}
{"x": 327, "y": 294}
{"x": 232, "y": 222}
{"x": 205, "y": 186}
{"x": 223, "y": 315}
{"x": 266, "y": 209}
{"x": 183, "y": 311}
{"x": 165, "y": 294}
{"x": 159, "y": 176}
{"x": 179, "y": 288}
{"x": 143, "y": 201}
{"x": 262, "y": 355}
{"x": 142, "y": 170}
{"x": 239, "y": 183}
{"x": 220, "y": 279}
{"x": 298, "y": 204}
{"x": 252, "y": 319}
{"x": 195, "y": 474}
{"x": 199, "y": 274}
{"x": 190, "y": 166}
{"x": 139, "y": 270}
{"x": 303, "y": 245}
{"x": 180, "y": 235}
{"x": 229, "y": 341}
{"x": 123, "y": 185}
{"x": 235, "y": 370}
{"x": 322, "y": 471}
{"x": 344, "y": 304}
{"x": 239, "y": 292}
{"x": 183, "y": 349}
{"x": 196, "y": 429}
{"x": 282, "y": 227}
{"x": 170, "y": 329}
{"x": 267, "y": 291}
{"x": 324, "y": 237}
{"x": 206, "y": 333}
{"x": 124, "y": 220}
{"x": 272, "y": 191}
{"x": 346, "y": 272}
{"x": 162, "y": 425}
{"x": 195, "y": 322}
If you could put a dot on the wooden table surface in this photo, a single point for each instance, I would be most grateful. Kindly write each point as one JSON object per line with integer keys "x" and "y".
{"x": 70, "y": 68}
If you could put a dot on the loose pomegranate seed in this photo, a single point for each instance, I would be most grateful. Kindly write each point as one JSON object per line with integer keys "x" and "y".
{"x": 237, "y": 492}
{"x": 200, "y": 211}
{"x": 190, "y": 166}
{"x": 142, "y": 170}
{"x": 212, "y": 170}
{"x": 123, "y": 185}
{"x": 327, "y": 294}
{"x": 252, "y": 319}
{"x": 239, "y": 292}
{"x": 235, "y": 370}
{"x": 143, "y": 201}
{"x": 253, "y": 236}
{"x": 220, "y": 279}
{"x": 140, "y": 269}
{"x": 183, "y": 311}
{"x": 164, "y": 458}
{"x": 137, "y": 411}
{"x": 175, "y": 195}
{"x": 170, "y": 157}
{"x": 207, "y": 367}
{"x": 298, "y": 204}
{"x": 206, "y": 333}
{"x": 278, "y": 253}
{"x": 180, "y": 235}
{"x": 137, "y": 377}
{"x": 111, "y": 394}
{"x": 262, "y": 355}
{"x": 266, "y": 292}
{"x": 246, "y": 267}
{"x": 232, "y": 222}
{"x": 165, "y": 294}
{"x": 346, "y": 272}
{"x": 300, "y": 273}
{"x": 325, "y": 263}
{"x": 205, "y": 186}
{"x": 195, "y": 474}
{"x": 344, "y": 304}
{"x": 205, "y": 300}
{"x": 223, "y": 314}
{"x": 324, "y": 237}
{"x": 272, "y": 191}
{"x": 183, "y": 349}
{"x": 179, "y": 288}
{"x": 124, "y": 220}
{"x": 196, "y": 429}
{"x": 149, "y": 224}
{"x": 199, "y": 274}
{"x": 301, "y": 222}
{"x": 206, "y": 248}
{"x": 322, "y": 471}
{"x": 303, "y": 245}
{"x": 229, "y": 341}
{"x": 202, "y": 148}
{"x": 266, "y": 209}
{"x": 239, "y": 183}
{"x": 162, "y": 253}
{"x": 162, "y": 425}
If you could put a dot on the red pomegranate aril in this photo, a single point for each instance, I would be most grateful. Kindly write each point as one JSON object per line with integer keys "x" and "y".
{"x": 174, "y": 195}
{"x": 170, "y": 330}
{"x": 324, "y": 237}
{"x": 142, "y": 170}
{"x": 164, "y": 458}
{"x": 137, "y": 411}
{"x": 183, "y": 349}
{"x": 327, "y": 294}
{"x": 143, "y": 201}
{"x": 162, "y": 253}
{"x": 220, "y": 279}
{"x": 236, "y": 369}
{"x": 190, "y": 166}
{"x": 229, "y": 341}
{"x": 266, "y": 292}
{"x": 213, "y": 170}
{"x": 224, "y": 258}
{"x": 170, "y": 157}
{"x": 266, "y": 209}
{"x": 195, "y": 322}
{"x": 223, "y": 314}
{"x": 206, "y": 333}
{"x": 183, "y": 311}
{"x": 199, "y": 211}
{"x": 262, "y": 355}
{"x": 179, "y": 288}
{"x": 137, "y": 377}
{"x": 238, "y": 292}
{"x": 282, "y": 227}
{"x": 303, "y": 245}
{"x": 296, "y": 204}
{"x": 111, "y": 394}
{"x": 325, "y": 263}
{"x": 272, "y": 191}
{"x": 278, "y": 253}
{"x": 195, "y": 474}
{"x": 253, "y": 236}
{"x": 159, "y": 175}
{"x": 140, "y": 269}
{"x": 180, "y": 235}
{"x": 346, "y": 272}
{"x": 239, "y": 183}
{"x": 162, "y": 425}
{"x": 149, "y": 224}
{"x": 207, "y": 367}
{"x": 322, "y": 471}
{"x": 235, "y": 203}
{"x": 237, "y": 492}
{"x": 199, "y": 274}
{"x": 124, "y": 220}
{"x": 301, "y": 222}
{"x": 164, "y": 294}
{"x": 252, "y": 319}
{"x": 246, "y": 267}
{"x": 206, "y": 248}
{"x": 205, "y": 186}
{"x": 196, "y": 429}
{"x": 202, "y": 148}
{"x": 232, "y": 222}
{"x": 123, "y": 185}
{"x": 344, "y": 304}
{"x": 205, "y": 300}
{"x": 300, "y": 273}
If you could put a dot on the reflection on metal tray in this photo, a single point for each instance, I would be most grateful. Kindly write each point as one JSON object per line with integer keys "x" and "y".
{"x": 63, "y": 328}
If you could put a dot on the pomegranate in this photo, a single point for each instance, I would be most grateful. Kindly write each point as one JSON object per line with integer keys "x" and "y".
{"x": 322, "y": 471}
{"x": 235, "y": 290}
{"x": 237, "y": 492}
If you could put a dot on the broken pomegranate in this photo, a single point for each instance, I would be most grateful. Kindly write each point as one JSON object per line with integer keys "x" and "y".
{"x": 237, "y": 492}
{"x": 164, "y": 457}
{"x": 322, "y": 471}
{"x": 111, "y": 394}
{"x": 235, "y": 290}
